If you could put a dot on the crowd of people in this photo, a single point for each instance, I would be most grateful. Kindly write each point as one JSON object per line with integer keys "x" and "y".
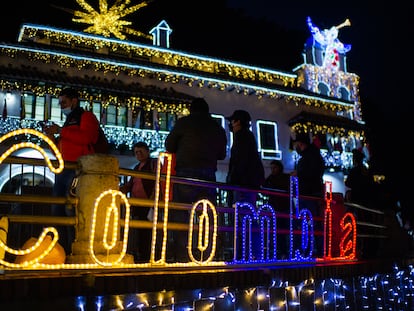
{"x": 198, "y": 142}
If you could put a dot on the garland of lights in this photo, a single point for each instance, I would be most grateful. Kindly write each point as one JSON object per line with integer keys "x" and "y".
{"x": 328, "y": 221}
{"x": 203, "y": 227}
{"x": 304, "y": 252}
{"x": 162, "y": 56}
{"x": 132, "y": 102}
{"x": 112, "y": 217}
{"x": 67, "y": 61}
{"x": 35, "y": 261}
{"x": 18, "y": 146}
{"x": 264, "y": 215}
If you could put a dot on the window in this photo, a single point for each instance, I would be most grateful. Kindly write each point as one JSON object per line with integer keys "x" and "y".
{"x": 164, "y": 121}
{"x": 28, "y": 105}
{"x": 122, "y": 116}
{"x": 40, "y": 108}
{"x": 96, "y": 109}
{"x": 111, "y": 115}
{"x": 343, "y": 93}
{"x": 55, "y": 111}
{"x": 220, "y": 120}
{"x": 268, "y": 140}
{"x": 84, "y": 104}
{"x": 323, "y": 89}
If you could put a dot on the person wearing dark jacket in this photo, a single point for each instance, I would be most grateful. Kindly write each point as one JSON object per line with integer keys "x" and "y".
{"x": 280, "y": 181}
{"x": 245, "y": 170}
{"x": 310, "y": 167}
{"x": 360, "y": 181}
{"x": 245, "y": 166}
{"x": 198, "y": 142}
{"x": 309, "y": 171}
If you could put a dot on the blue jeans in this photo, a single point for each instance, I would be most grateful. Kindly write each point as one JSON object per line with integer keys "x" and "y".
{"x": 61, "y": 188}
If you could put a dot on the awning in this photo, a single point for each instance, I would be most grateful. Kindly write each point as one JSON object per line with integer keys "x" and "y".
{"x": 33, "y": 77}
{"x": 318, "y": 123}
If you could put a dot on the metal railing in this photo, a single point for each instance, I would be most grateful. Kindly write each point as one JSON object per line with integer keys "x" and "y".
{"x": 369, "y": 228}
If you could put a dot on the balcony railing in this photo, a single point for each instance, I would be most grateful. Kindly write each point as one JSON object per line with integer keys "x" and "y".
{"x": 341, "y": 231}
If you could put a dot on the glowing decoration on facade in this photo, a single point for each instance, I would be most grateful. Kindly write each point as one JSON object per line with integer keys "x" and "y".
{"x": 245, "y": 214}
{"x": 4, "y": 229}
{"x": 347, "y": 244}
{"x": 203, "y": 239}
{"x": 111, "y": 225}
{"x": 35, "y": 261}
{"x": 258, "y": 233}
{"x": 34, "y": 146}
{"x": 304, "y": 216}
{"x": 258, "y": 242}
{"x": 329, "y": 42}
{"x": 167, "y": 158}
{"x": 327, "y": 224}
{"x": 109, "y": 22}
{"x": 268, "y": 239}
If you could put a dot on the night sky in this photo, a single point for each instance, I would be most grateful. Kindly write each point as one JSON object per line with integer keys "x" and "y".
{"x": 272, "y": 34}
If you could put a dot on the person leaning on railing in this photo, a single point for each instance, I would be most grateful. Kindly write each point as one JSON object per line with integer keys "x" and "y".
{"x": 139, "y": 241}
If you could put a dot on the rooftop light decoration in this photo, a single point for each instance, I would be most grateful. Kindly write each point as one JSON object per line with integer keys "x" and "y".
{"x": 108, "y": 21}
{"x": 328, "y": 40}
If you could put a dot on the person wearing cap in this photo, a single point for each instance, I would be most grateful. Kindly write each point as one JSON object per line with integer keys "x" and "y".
{"x": 310, "y": 166}
{"x": 245, "y": 170}
{"x": 198, "y": 142}
{"x": 74, "y": 139}
{"x": 309, "y": 170}
{"x": 245, "y": 166}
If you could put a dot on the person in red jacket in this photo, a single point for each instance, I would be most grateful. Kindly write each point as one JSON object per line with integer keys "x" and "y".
{"x": 74, "y": 139}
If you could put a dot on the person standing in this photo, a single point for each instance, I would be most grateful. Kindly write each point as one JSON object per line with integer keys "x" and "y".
{"x": 74, "y": 139}
{"x": 277, "y": 179}
{"x": 309, "y": 170}
{"x": 310, "y": 167}
{"x": 140, "y": 243}
{"x": 198, "y": 142}
{"x": 245, "y": 170}
{"x": 245, "y": 166}
{"x": 360, "y": 181}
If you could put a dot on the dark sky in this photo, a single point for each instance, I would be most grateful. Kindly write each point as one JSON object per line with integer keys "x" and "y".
{"x": 272, "y": 34}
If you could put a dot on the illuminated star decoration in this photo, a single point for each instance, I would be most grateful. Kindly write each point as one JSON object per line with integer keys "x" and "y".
{"x": 109, "y": 21}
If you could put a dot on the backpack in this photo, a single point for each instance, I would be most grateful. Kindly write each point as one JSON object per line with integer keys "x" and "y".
{"x": 102, "y": 144}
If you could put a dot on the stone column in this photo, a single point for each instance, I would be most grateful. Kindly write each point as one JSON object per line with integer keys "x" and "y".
{"x": 97, "y": 174}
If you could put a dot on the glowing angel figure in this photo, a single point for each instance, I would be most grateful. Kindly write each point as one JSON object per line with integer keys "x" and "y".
{"x": 109, "y": 21}
{"x": 328, "y": 40}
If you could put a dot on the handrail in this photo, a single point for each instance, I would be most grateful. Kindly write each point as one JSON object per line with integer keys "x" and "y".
{"x": 369, "y": 230}
{"x": 361, "y": 207}
{"x": 35, "y": 198}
